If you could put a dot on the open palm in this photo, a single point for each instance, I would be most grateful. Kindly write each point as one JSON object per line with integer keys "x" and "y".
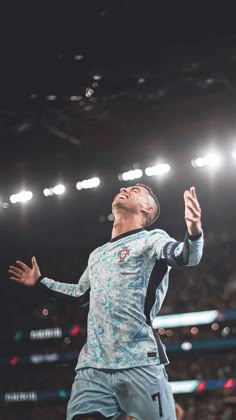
{"x": 25, "y": 274}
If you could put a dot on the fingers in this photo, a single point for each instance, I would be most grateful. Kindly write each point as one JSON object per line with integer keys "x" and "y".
{"x": 34, "y": 262}
{"x": 24, "y": 274}
{"x": 192, "y": 208}
{"x": 195, "y": 211}
{"x": 193, "y": 192}
{"x": 191, "y": 200}
{"x": 16, "y": 269}
{"x": 16, "y": 279}
{"x": 17, "y": 274}
{"x": 192, "y": 214}
{"x": 22, "y": 265}
{"x": 191, "y": 203}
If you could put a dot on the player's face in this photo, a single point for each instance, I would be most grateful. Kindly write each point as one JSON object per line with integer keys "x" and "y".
{"x": 131, "y": 198}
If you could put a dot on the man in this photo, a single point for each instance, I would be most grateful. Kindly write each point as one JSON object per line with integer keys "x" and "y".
{"x": 121, "y": 368}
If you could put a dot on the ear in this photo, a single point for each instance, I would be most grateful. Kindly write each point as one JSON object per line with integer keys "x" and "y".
{"x": 148, "y": 210}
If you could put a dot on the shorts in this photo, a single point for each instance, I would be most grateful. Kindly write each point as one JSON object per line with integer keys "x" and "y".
{"x": 142, "y": 392}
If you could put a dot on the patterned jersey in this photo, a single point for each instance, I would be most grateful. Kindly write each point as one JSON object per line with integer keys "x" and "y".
{"x": 126, "y": 281}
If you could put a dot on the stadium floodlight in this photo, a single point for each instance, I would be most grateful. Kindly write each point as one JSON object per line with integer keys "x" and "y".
{"x": 97, "y": 77}
{"x": 160, "y": 169}
{"x": 48, "y": 192}
{"x": 130, "y": 175}
{"x": 213, "y": 160}
{"x": 51, "y": 97}
{"x": 59, "y": 189}
{"x": 78, "y": 57}
{"x": 21, "y": 197}
{"x": 233, "y": 154}
{"x": 88, "y": 183}
{"x": 56, "y": 190}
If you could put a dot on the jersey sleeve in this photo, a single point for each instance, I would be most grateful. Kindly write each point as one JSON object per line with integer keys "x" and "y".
{"x": 176, "y": 254}
{"x": 75, "y": 293}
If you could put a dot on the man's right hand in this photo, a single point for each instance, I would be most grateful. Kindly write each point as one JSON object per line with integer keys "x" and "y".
{"x": 24, "y": 274}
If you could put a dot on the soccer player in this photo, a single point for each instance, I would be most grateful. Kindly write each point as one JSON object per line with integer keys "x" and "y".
{"x": 121, "y": 368}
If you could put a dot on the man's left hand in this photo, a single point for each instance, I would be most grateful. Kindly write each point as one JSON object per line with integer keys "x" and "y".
{"x": 192, "y": 212}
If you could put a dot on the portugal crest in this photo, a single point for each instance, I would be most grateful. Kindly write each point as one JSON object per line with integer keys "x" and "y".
{"x": 123, "y": 253}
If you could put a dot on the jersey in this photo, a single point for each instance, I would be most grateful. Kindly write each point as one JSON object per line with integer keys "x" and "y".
{"x": 126, "y": 281}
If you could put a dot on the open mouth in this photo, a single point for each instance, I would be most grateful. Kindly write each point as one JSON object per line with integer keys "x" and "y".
{"x": 122, "y": 196}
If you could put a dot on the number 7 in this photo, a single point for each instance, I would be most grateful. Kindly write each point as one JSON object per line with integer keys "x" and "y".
{"x": 158, "y": 395}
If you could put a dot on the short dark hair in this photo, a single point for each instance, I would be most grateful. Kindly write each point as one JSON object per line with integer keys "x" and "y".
{"x": 156, "y": 214}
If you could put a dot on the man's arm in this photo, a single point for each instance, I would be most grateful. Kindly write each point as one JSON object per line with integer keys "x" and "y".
{"x": 186, "y": 253}
{"x": 30, "y": 277}
{"x": 189, "y": 252}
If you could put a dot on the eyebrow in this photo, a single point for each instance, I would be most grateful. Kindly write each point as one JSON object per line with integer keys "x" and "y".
{"x": 135, "y": 188}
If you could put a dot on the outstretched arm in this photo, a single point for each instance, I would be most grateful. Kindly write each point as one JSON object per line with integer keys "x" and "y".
{"x": 77, "y": 293}
{"x": 189, "y": 252}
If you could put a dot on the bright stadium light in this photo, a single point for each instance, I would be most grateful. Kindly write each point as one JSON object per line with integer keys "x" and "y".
{"x": 48, "y": 192}
{"x": 160, "y": 169}
{"x": 21, "y": 197}
{"x": 213, "y": 160}
{"x": 130, "y": 175}
{"x": 234, "y": 154}
{"x": 88, "y": 183}
{"x": 59, "y": 189}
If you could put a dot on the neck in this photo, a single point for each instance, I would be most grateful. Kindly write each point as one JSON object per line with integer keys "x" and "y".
{"x": 123, "y": 224}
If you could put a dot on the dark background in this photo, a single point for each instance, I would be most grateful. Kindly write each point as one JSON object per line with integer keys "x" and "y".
{"x": 167, "y": 91}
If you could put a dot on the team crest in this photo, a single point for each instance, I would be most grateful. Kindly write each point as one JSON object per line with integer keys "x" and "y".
{"x": 123, "y": 253}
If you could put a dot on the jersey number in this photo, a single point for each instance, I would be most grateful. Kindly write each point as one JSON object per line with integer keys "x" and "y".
{"x": 157, "y": 396}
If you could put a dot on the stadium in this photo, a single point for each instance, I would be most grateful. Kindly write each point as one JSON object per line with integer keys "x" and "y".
{"x": 96, "y": 97}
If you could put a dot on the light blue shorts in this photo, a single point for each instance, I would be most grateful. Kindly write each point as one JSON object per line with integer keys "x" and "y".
{"x": 143, "y": 393}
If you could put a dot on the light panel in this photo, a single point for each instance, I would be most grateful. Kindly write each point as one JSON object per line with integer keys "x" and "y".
{"x": 56, "y": 190}
{"x": 160, "y": 169}
{"x": 130, "y": 175}
{"x": 21, "y": 197}
{"x": 185, "y": 319}
{"x": 88, "y": 183}
{"x": 212, "y": 160}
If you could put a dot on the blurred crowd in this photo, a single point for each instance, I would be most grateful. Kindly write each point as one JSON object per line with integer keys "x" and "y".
{"x": 210, "y": 285}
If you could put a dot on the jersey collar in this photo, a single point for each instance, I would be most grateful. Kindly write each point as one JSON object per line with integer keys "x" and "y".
{"x": 123, "y": 235}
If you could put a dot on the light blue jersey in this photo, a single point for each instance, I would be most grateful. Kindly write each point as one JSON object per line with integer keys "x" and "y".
{"x": 126, "y": 281}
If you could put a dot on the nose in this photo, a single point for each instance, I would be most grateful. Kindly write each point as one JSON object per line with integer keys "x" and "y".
{"x": 123, "y": 190}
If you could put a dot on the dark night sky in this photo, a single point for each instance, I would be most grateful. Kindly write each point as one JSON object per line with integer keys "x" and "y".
{"x": 167, "y": 90}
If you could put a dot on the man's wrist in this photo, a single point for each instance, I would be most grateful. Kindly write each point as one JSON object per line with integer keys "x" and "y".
{"x": 195, "y": 236}
{"x": 39, "y": 280}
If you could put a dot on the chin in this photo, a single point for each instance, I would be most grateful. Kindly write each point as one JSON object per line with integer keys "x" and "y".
{"x": 119, "y": 204}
